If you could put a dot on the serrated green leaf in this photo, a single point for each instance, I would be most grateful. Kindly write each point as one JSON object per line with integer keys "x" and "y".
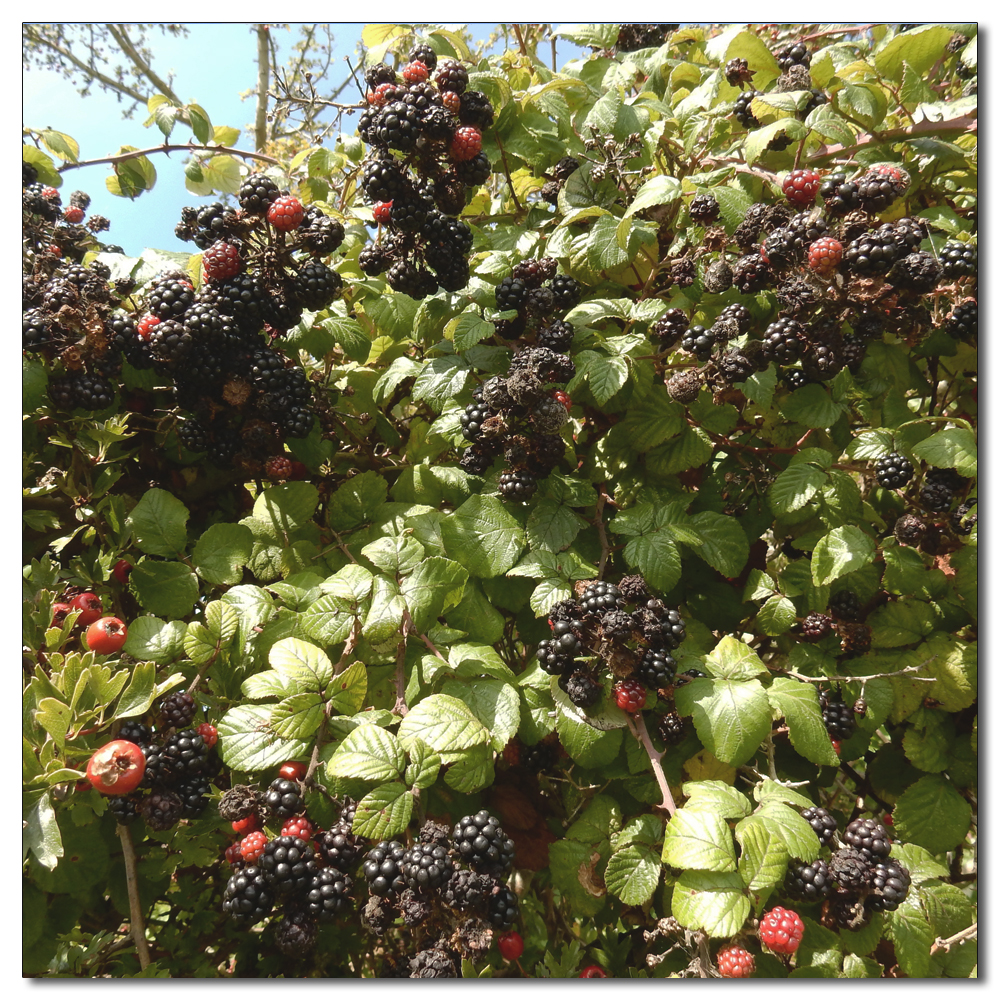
{"x": 221, "y": 553}
{"x": 424, "y": 765}
{"x": 734, "y": 660}
{"x": 776, "y": 616}
{"x": 840, "y": 552}
{"x": 368, "y": 752}
{"x": 495, "y": 703}
{"x": 444, "y": 723}
{"x": 483, "y": 536}
{"x": 41, "y": 835}
{"x": 798, "y": 702}
{"x": 710, "y": 901}
{"x": 383, "y": 812}
{"x": 286, "y": 507}
{"x": 199, "y": 643}
{"x": 812, "y": 406}
{"x": 247, "y": 741}
{"x": 168, "y": 589}
{"x": 952, "y": 448}
{"x": 138, "y": 696}
{"x": 632, "y": 874}
{"x": 302, "y": 662}
{"x": 471, "y": 770}
{"x": 158, "y": 523}
{"x": 151, "y": 638}
{"x": 348, "y": 690}
{"x": 298, "y": 717}
{"x": 732, "y": 718}
{"x": 724, "y": 544}
{"x": 795, "y": 487}
{"x": 932, "y": 814}
{"x": 763, "y": 855}
{"x": 698, "y": 837}
{"x": 660, "y": 190}
{"x": 435, "y": 586}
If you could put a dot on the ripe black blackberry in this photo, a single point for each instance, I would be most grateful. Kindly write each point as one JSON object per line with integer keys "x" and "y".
{"x": 556, "y": 334}
{"x": 381, "y": 868}
{"x": 329, "y": 895}
{"x": 380, "y": 73}
{"x": 810, "y": 881}
{"x": 669, "y": 328}
{"x": 422, "y": 52}
{"x": 517, "y": 484}
{"x": 742, "y": 112}
{"x": 795, "y": 54}
{"x": 839, "y": 195}
{"x": 472, "y": 420}
{"x": 846, "y": 605}
{"x": 124, "y": 808}
{"x": 838, "y": 718}
{"x": 340, "y": 848}
{"x": 257, "y": 192}
{"x": 194, "y": 792}
{"x": 850, "y": 869}
{"x": 162, "y": 809}
{"x": 656, "y": 669}
{"x": 893, "y": 471}
{"x": 735, "y": 366}
{"x": 135, "y": 732}
{"x": 426, "y": 866}
{"x": 672, "y": 729}
{"x": 909, "y": 530}
{"x": 397, "y": 126}
{"x": 288, "y": 865}
{"x": 751, "y": 274}
{"x": 502, "y": 908}
{"x": 315, "y": 285}
{"x": 539, "y": 302}
{"x": 533, "y": 272}
{"x": 600, "y": 597}
{"x": 782, "y": 248}
{"x": 938, "y": 491}
{"x": 452, "y": 76}
{"x": 704, "y": 209}
{"x": 871, "y": 253}
{"x": 473, "y": 172}
{"x": 823, "y": 824}
{"x": 554, "y": 660}
{"x": 784, "y": 341}
{"x": 170, "y": 296}
{"x": 868, "y": 836}
{"x": 962, "y": 521}
{"x": 963, "y": 321}
{"x": 959, "y": 260}
{"x": 482, "y": 844}
{"x": 582, "y": 688}
{"x": 477, "y": 459}
{"x": 890, "y": 884}
{"x": 283, "y": 799}
{"x": 879, "y": 187}
{"x": 824, "y": 356}
{"x": 566, "y": 291}
{"x": 185, "y": 753}
{"x": 816, "y": 626}
{"x": 320, "y": 234}
{"x": 177, "y": 710}
{"x": 247, "y": 898}
{"x": 511, "y": 293}
{"x": 662, "y": 627}
{"x": 698, "y": 341}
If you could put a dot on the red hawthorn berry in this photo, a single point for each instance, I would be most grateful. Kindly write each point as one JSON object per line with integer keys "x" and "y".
{"x": 121, "y": 570}
{"x": 285, "y": 213}
{"x": 511, "y": 945}
{"x": 248, "y": 824}
{"x": 382, "y": 212}
{"x": 252, "y": 846}
{"x": 781, "y": 930}
{"x": 630, "y": 696}
{"x": 90, "y": 607}
{"x": 825, "y": 255}
{"x": 73, "y": 214}
{"x": 467, "y": 143}
{"x": 209, "y": 734}
{"x": 415, "y": 72}
{"x": 106, "y": 635}
{"x": 83, "y": 785}
{"x": 734, "y": 962}
{"x": 59, "y": 612}
{"x": 292, "y": 770}
{"x": 593, "y": 972}
{"x": 801, "y": 186}
{"x": 117, "y": 768}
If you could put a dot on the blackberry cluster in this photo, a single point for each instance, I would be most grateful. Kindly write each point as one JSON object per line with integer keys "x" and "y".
{"x": 181, "y": 766}
{"x": 959, "y": 260}
{"x": 537, "y": 293}
{"x": 893, "y": 472}
{"x": 939, "y": 489}
{"x": 598, "y": 630}
{"x": 643, "y": 36}
{"x": 424, "y": 134}
{"x": 838, "y": 717}
{"x": 556, "y": 177}
{"x": 963, "y": 323}
{"x": 520, "y": 416}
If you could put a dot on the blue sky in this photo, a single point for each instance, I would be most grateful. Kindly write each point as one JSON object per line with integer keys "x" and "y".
{"x": 212, "y": 66}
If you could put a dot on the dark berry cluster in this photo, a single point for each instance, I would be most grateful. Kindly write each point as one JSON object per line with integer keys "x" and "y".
{"x": 424, "y": 129}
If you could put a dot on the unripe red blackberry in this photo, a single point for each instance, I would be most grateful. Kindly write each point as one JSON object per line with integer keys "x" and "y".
{"x": 781, "y": 930}
{"x": 630, "y": 696}
{"x": 816, "y": 626}
{"x": 466, "y": 144}
{"x": 734, "y": 962}
{"x": 220, "y": 261}
{"x": 285, "y": 213}
{"x": 801, "y": 186}
{"x": 825, "y": 255}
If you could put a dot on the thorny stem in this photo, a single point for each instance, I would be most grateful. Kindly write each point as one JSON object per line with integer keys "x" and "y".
{"x": 637, "y": 726}
{"x": 769, "y": 750}
{"x": 189, "y": 147}
{"x": 137, "y": 925}
{"x": 943, "y": 944}
{"x": 866, "y": 677}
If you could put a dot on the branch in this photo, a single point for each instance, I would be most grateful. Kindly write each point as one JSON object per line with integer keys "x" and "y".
{"x": 191, "y": 147}
{"x": 263, "y": 81}
{"x": 506, "y": 170}
{"x": 637, "y": 726}
{"x": 943, "y": 944}
{"x": 137, "y": 926}
{"x": 88, "y": 71}
{"x": 121, "y": 37}
{"x": 867, "y": 677}
{"x": 961, "y": 126}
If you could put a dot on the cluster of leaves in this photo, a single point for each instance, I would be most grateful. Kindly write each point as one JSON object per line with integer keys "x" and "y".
{"x": 379, "y": 617}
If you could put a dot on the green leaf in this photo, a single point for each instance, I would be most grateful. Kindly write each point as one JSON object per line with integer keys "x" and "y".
{"x": 932, "y": 814}
{"x": 151, "y": 638}
{"x": 483, "y": 536}
{"x": 40, "y": 834}
{"x": 326, "y": 622}
{"x": 440, "y": 381}
{"x": 632, "y": 874}
{"x": 865, "y": 102}
{"x": 777, "y": 615}
{"x": 471, "y": 770}
{"x": 139, "y": 694}
{"x": 286, "y": 507}
{"x": 698, "y": 837}
{"x": 424, "y": 765}
{"x": 795, "y": 487}
{"x": 54, "y": 717}
{"x": 495, "y": 703}
{"x": 394, "y": 554}
{"x": 444, "y": 723}
{"x": 469, "y": 329}
{"x": 306, "y": 665}
{"x": 952, "y": 448}
{"x": 158, "y": 523}
{"x": 60, "y": 144}
{"x": 798, "y": 702}
{"x": 710, "y": 901}
{"x": 348, "y": 690}
{"x": 588, "y": 746}
{"x": 902, "y": 623}
{"x": 724, "y": 544}
{"x": 201, "y": 125}
{"x": 660, "y": 190}
{"x": 840, "y": 552}
{"x": 385, "y": 616}
{"x": 732, "y": 718}
{"x": 167, "y": 589}
{"x": 384, "y": 812}
{"x": 734, "y": 660}
{"x": 434, "y": 587}
{"x": 248, "y": 742}
{"x": 222, "y": 552}
{"x": 298, "y": 717}
{"x": 812, "y": 406}
{"x": 763, "y": 855}
{"x": 368, "y": 752}
{"x": 920, "y": 49}
{"x": 912, "y": 937}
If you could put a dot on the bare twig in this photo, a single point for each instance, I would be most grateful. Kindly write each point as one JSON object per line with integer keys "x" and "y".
{"x": 601, "y": 533}
{"x": 637, "y": 726}
{"x": 943, "y": 944}
{"x": 263, "y": 80}
{"x": 137, "y": 924}
{"x": 122, "y": 38}
{"x": 506, "y": 170}
{"x": 182, "y": 147}
{"x": 906, "y": 671}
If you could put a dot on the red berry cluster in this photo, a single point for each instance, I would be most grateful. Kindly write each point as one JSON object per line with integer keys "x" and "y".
{"x": 734, "y": 962}
{"x": 781, "y": 930}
